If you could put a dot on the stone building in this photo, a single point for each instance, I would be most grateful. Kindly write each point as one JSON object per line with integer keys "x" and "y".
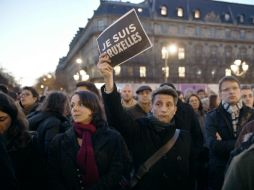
{"x": 208, "y": 36}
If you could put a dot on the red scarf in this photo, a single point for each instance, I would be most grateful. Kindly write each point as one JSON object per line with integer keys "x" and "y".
{"x": 85, "y": 156}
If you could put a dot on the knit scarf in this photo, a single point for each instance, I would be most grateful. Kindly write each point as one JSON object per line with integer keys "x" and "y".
{"x": 85, "y": 156}
{"x": 234, "y": 111}
{"x": 158, "y": 125}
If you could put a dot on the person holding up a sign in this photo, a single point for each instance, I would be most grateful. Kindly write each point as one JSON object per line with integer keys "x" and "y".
{"x": 157, "y": 166}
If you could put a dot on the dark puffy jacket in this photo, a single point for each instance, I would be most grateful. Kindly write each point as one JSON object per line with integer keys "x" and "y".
{"x": 48, "y": 125}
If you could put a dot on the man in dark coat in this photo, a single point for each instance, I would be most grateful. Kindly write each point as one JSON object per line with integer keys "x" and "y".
{"x": 186, "y": 119}
{"x": 223, "y": 126}
{"x": 144, "y": 136}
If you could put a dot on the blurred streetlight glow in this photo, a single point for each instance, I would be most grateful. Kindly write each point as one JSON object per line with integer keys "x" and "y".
{"x": 79, "y": 60}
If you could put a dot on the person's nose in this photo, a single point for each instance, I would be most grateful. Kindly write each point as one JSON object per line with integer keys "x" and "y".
{"x": 164, "y": 108}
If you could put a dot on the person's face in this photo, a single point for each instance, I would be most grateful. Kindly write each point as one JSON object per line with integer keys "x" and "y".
{"x": 79, "y": 112}
{"x": 230, "y": 92}
{"x": 181, "y": 97}
{"x": 144, "y": 97}
{"x": 26, "y": 98}
{"x": 201, "y": 94}
{"x": 247, "y": 97}
{"x": 194, "y": 102}
{"x": 5, "y": 122}
{"x": 126, "y": 93}
{"x": 163, "y": 108}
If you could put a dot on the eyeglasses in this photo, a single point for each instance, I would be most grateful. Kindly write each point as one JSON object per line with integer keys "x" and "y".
{"x": 25, "y": 94}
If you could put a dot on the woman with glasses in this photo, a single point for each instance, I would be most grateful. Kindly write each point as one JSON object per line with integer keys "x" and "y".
{"x": 29, "y": 99}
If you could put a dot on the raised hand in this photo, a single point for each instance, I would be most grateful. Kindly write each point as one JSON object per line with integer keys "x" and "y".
{"x": 106, "y": 71}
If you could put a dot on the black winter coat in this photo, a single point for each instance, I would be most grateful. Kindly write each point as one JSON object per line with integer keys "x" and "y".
{"x": 7, "y": 174}
{"x": 136, "y": 112}
{"x": 110, "y": 153}
{"x": 47, "y": 125}
{"x": 219, "y": 121}
{"x": 143, "y": 140}
{"x": 27, "y": 165}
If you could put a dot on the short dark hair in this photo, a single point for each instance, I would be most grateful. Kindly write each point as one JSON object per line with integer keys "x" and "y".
{"x": 246, "y": 87}
{"x": 90, "y": 86}
{"x": 228, "y": 78}
{"x": 33, "y": 91}
{"x": 91, "y": 101}
{"x": 166, "y": 90}
{"x": 200, "y": 90}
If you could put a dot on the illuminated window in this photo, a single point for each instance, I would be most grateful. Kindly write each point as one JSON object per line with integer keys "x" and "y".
{"x": 117, "y": 70}
{"x": 181, "y": 71}
{"x": 241, "y": 18}
{"x": 181, "y": 53}
{"x": 165, "y": 70}
{"x": 197, "y": 14}
{"x": 228, "y": 72}
{"x": 101, "y": 24}
{"x": 142, "y": 71}
{"x": 226, "y": 17}
{"x": 164, "y": 10}
{"x": 180, "y": 12}
{"x": 130, "y": 71}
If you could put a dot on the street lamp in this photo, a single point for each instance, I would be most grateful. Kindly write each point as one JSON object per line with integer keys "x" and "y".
{"x": 239, "y": 67}
{"x": 166, "y": 52}
{"x": 81, "y": 76}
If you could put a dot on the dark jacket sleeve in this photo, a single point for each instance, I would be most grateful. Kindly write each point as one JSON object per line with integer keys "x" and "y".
{"x": 220, "y": 148}
{"x": 118, "y": 117}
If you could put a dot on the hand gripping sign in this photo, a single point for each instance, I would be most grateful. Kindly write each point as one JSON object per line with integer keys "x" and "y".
{"x": 124, "y": 39}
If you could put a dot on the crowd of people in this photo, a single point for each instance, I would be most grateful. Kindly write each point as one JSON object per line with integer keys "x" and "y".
{"x": 112, "y": 139}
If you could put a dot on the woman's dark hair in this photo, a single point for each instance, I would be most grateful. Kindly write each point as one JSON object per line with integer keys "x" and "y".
{"x": 91, "y": 101}
{"x": 213, "y": 101}
{"x": 55, "y": 102}
{"x": 200, "y": 107}
{"x": 33, "y": 91}
{"x": 17, "y": 134}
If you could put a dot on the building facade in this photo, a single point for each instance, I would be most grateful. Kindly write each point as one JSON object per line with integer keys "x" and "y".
{"x": 208, "y": 36}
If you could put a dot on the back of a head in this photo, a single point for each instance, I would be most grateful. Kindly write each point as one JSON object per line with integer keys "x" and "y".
{"x": 87, "y": 86}
{"x": 56, "y": 101}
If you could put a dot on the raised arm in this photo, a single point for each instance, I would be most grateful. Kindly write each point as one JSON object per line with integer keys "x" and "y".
{"x": 116, "y": 115}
